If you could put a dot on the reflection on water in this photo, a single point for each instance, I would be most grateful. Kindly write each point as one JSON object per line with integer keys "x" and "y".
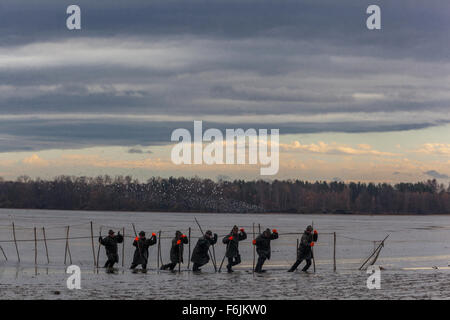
{"x": 50, "y": 283}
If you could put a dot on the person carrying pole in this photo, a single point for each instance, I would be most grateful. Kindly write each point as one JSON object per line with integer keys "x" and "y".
{"x": 200, "y": 255}
{"x": 304, "y": 249}
{"x": 262, "y": 243}
{"x": 176, "y": 251}
{"x": 141, "y": 253}
{"x": 110, "y": 242}
{"x": 213, "y": 256}
{"x": 232, "y": 242}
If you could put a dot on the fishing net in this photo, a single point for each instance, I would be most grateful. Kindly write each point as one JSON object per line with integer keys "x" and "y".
{"x": 78, "y": 244}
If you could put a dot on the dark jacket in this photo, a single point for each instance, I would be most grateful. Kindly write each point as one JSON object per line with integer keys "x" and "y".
{"x": 233, "y": 245}
{"x": 141, "y": 252}
{"x": 304, "y": 249}
{"x": 200, "y": 253}
{"x": 176, "y": 251}
{"x": 263, "y": 244}
{"x": 110, "y": 244}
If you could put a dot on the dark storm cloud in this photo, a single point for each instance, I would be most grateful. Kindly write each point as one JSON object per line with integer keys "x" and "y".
{"x": 36, "y": 135}
{"x": 217, "y": 58}
{"x": 406, "y": 23}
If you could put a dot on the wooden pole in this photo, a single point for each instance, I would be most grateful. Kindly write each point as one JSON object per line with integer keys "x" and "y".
{"x": 214, "y": 262}
{"x": 67, "y": 246}
{"x": 70, "y": 254}
{"x": 45, "y": 244}
{"x": 374, "y": 252}
{"x": 189, "y": 254}
{"x": 254, "y": 249}
{"x": 179, "y": 257}
{"x": 214, "y": 255}
{"x": 159, "y": 250}
{"x": 223, "y": 259}
{"x": 334, "y": 252}
{"x": 259, "y": 228}
{"x": 92, "y": 243}
{"x": 65, "y": 251}
{"x": 99, "y": 245}
{"x": 35, "y": 247}
{"x": 4, "y": 254}
{"x": 312, "y": 252}
{"x": 123, "y": 247}
{"x": 15, "y": 242}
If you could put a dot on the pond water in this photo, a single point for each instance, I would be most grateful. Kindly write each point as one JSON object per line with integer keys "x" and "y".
{"x": 415, "y": 245}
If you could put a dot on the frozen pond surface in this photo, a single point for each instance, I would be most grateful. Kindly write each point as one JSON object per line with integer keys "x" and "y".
{"x": 415, "y": 244}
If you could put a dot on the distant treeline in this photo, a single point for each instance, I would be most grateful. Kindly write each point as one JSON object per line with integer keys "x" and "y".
{"x": 195, "y": 194}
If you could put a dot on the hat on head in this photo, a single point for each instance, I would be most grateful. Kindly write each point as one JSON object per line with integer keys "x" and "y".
{"x": 309, "y": 228}
{"x": 110, "y": 232}
{"x": 142, "y": 233}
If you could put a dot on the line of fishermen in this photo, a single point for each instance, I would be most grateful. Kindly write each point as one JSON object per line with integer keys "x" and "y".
{"x": 200, "y": 254}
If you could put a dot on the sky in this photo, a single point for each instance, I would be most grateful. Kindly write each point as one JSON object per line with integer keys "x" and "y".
{"x": 351, "y": 104}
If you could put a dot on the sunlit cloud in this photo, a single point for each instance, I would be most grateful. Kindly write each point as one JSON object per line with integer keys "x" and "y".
{"x": 333, "y": 148}
{"x": 435, "y": 148}
{"x": 35, "y": 160}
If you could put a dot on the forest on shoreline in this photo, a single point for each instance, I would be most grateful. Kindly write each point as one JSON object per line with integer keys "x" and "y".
{"x": 204, "y": 195}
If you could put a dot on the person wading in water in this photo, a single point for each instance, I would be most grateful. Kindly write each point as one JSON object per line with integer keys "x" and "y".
{"x": 141, "y": 253}
{"x": 200, "y": 255}
{"x": 176, "y": 251}
{"x": 262, "y": 243}
{"x": 232, "y": 242}
{"x": 110, "y": 242}
{"x": 304, "y": 250}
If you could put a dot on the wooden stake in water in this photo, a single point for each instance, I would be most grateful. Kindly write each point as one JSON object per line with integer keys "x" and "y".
{"x": 159, "y": 249}
{"x": 374, "y": 252}
{"x": 123, "y": 247}
{"x": 214, "y": 256}
{"x": 179, "y": 257}
{"x": 334, "y": 252}
{"x": 45, "y": 244}
{"x": 99, "y": 245}
{"x": 312, "y": 252}
{"x": 189, "y": 254}
{"x": 92, "y": 242}
{"x": 4, "y": 254}
{"x": 223, "y": 259}
{"x": 67, "y": 247}
{"x": 254, "y": 249}
{"x": 35, "y": 247}
{"x": 15, "y": 242}
{"x": 65, "y": 251}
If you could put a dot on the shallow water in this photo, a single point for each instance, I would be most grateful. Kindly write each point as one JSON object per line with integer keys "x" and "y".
{"x": 414, "y": 246}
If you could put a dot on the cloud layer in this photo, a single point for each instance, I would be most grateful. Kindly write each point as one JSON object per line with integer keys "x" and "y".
{"x": 138, "y": 70}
